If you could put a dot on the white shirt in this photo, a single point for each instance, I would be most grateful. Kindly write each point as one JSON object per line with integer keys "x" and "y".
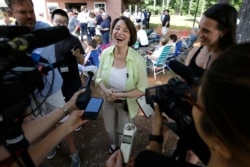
{"x": 172, "y": 50}
{"x": 142, "y": 37}
{"x": 126, "y": 13}
{"x": 82, "y": 17}
{"x": 118, "y": 84}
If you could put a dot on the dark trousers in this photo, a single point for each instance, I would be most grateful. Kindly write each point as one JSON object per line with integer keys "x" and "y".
{"x": 91, "y": 32}
{"x": 105, "y": 37}
{"x": 83, "y": 27}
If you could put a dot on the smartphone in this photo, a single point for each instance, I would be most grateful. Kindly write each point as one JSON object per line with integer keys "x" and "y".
{"x": 146, "y": 108}
{"x": 93, "y": 108}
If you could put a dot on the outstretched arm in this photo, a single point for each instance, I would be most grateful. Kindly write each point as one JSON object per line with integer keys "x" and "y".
{"x": 157, "y": 121}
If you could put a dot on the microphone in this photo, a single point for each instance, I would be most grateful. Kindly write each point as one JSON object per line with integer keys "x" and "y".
{"x": 35, "y": 39}
{"x": 182, "y": 70}
{"x": 13, "y": 31}
{"x": 84, "y": 98}
{"x": 50, "y": 67}
{"x": 38, "y": 58}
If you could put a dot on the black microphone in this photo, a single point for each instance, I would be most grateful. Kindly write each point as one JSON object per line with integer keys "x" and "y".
{"x": 38, "y": 58}
{"x": 35, "y": 39}
{"x": 182, "y": 70}
{"x": 84, "y": 98}
{"x": 50, "y": 67}
{"x": 11, "y": 32}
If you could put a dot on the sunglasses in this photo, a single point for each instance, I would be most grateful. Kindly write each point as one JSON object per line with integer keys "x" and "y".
{"x": 191, "y": 96}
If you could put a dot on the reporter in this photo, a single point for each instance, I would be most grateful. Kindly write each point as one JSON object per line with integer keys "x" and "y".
{"x": 220, "y": 106}
{"x": 31, "y": 132}
{"x": 220, "y": 112}
{"x": 30, "y": 128}
{"x": 217, "y": 32}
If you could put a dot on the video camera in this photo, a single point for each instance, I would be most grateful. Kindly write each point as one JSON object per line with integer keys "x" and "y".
{"x": 21, "y": 75}
{"x": 19, "y": 72}
{"x": 172, "y": 99}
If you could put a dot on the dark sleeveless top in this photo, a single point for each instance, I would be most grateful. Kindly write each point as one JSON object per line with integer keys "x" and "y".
{"x": 198, "y": 71}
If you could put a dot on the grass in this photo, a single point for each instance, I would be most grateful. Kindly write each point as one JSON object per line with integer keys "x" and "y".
{"x": 176, "y": 22}
{"x": 155, "y": 26}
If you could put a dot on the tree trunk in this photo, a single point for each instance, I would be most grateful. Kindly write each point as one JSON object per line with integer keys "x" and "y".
{"x": 202, "y": 6}
{"x": 167, "y": 4}
{"x": 190, "y": 6}
{"x": 243, "y": 30}
{"x": 180, "y": 8}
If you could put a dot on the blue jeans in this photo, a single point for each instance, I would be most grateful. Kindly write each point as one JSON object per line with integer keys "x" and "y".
{"x": 83, "y": 27}
{"x": 105, "y": 37}
{"x": 91, "y": 32}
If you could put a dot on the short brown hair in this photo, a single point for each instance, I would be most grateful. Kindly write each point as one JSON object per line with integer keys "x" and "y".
{"x": 98, "y": 39}
{"x": 164, "y": 39}
{"x": 10, "y": 2}
{"x": 92, "y": 43}
{"x": 131, "y": 28}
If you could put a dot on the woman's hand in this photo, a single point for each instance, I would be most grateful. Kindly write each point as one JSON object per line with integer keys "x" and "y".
{"x": 108, "y": 93}
{"x": 71, "y": 104}
{"x": 157, "y": 121}
{"x": 75, "y": 120}
{"x": 119, "y": 94}
{"x": 115, "y": 160}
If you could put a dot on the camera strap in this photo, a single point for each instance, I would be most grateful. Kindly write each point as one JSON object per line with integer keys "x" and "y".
{"x": 19, "y": 149}
{"x": 26, "y": 159}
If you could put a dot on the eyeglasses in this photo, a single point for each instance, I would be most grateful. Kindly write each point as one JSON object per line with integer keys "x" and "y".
{"x": 191, "y": 96}
{"x": 60, "y": 22}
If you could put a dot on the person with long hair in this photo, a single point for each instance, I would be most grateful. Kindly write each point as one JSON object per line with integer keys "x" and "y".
{"x": 217, "y": 32}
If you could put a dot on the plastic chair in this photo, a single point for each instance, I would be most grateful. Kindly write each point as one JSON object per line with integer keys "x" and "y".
{"x": 178, "y": 47}
{"x": 159, "y": 65}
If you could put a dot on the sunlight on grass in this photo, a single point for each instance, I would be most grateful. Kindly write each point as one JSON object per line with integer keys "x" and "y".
{"x": 176, "y": 22}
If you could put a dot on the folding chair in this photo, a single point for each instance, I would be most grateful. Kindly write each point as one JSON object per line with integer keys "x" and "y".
{"x": 159, "y": 65}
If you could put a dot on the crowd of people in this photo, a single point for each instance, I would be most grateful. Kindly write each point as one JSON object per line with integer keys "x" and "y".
{"x": 218, "y": 102}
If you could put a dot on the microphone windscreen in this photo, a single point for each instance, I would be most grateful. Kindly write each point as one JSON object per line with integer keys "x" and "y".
{"x": 46, "y": 36}
{"x": 13, "y": 31}
{"x": 38, "y": 58}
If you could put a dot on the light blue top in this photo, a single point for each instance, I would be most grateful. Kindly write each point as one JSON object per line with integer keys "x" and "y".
{"x": 53, "y": 81}
{"x": 137, "y": 76}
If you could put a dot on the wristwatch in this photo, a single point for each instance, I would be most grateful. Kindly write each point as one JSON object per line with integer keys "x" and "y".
{"x": 65, "y": 110}
{"x": 156, "y": 138}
